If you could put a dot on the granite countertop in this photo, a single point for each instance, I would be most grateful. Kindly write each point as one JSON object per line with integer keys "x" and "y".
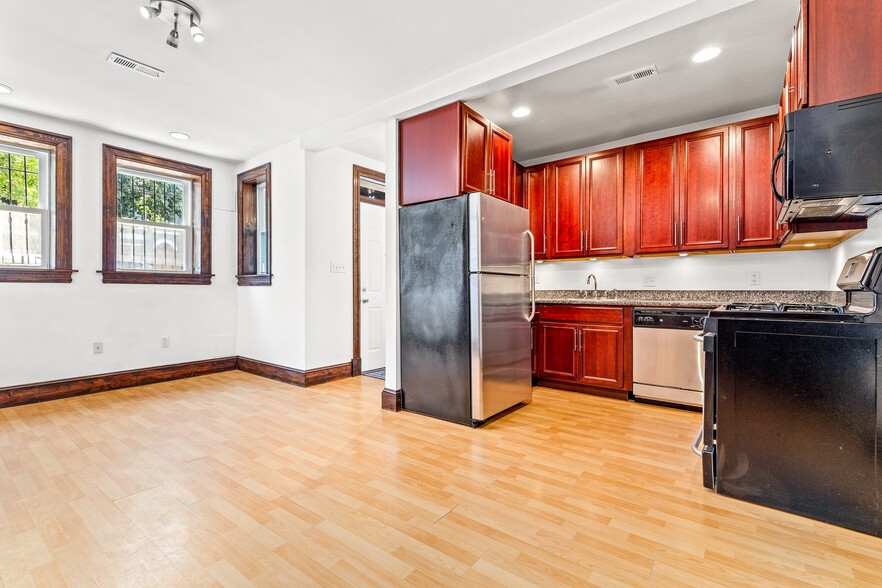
{"x": 686, "y": 298}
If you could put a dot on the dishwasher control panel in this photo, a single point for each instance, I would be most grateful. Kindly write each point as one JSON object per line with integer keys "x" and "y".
{"x": 670, "y": 318}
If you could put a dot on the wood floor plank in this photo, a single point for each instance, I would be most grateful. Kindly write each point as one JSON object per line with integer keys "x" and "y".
{"x": 234, "y": 480}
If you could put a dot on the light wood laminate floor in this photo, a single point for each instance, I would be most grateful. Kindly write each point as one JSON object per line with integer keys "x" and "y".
{"x": 231, "y": 479}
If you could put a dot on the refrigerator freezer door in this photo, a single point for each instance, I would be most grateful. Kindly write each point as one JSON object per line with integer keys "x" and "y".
{"x": 501, "y": 339}
{"x": 498, "y": 241}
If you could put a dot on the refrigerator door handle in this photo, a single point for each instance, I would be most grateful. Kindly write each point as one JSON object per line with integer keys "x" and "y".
{"x": 532, "y": 276}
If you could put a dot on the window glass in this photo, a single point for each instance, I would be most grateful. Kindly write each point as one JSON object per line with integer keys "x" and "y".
{"x": 25, "y": 207}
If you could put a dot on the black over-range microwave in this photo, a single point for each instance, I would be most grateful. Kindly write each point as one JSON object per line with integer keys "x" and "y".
{"x": 832, "y": 158}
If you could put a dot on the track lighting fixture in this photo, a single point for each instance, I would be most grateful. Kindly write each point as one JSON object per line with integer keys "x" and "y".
{"x": 179, "y": 10}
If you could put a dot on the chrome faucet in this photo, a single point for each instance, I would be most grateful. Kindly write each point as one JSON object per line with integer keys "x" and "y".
{"x": 592, "y": 277}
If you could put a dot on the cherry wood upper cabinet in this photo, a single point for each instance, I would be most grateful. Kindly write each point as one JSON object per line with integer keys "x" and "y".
{"x": 517, "y": 185}
{"x": 656, "y": 190}
{"x": 844, "y": 48}
{"x": 534, "y": 199}
{"x": 501, "y": 165}
{"x": 605, "y": 202}
{"x": 475, "y": 154}
{"x": 704, "y": 190}
{"x": 754, "y": 208}
{"x": 564, "y": 200}
{"x": 450, "y": 151}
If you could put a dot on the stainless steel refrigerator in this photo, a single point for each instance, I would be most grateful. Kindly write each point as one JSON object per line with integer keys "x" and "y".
{"x": 467, "y": 299}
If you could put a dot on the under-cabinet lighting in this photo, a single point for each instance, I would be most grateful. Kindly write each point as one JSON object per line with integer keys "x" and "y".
{"x": 683, "y": 254}
{"x": 706, "y": 54}
{"x": 809, "y": 244}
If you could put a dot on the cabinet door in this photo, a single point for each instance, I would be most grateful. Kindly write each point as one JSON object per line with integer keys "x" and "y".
{"x": 800, "y": 59}
{"x": 605, "y": 194}
{"x": 602, "y": 356}
{"x": 566, "y": 190}
{"x": 517, "y": 185}
{"x": 534, "y": 200}
{"x": 754, "y": 207}
{"x": 475, "y": 151}
{"x": 500, "y": 164}
{"x": 557, "y": 351}
{"x": 844, "y": 52}
{"x": 704, "y": 190}
{"x": 656, "y": 196}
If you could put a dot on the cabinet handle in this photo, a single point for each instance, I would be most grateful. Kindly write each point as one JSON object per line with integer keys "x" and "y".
{"x": 682, "y": 233}
{"x": 676, "y": 230}
{"x": 576, "y": 340}
{"x": 738, "y": 232}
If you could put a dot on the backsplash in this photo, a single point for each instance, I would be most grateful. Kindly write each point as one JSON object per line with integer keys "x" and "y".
{"x": 780, "y": 270}
{"x": 715, "y": 297}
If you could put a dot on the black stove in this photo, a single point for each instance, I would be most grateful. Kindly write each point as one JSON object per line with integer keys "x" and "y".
{"x": 793, "y": 311}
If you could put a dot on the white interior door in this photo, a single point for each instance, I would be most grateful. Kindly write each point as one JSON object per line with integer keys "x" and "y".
{"x": 373, "y": 291}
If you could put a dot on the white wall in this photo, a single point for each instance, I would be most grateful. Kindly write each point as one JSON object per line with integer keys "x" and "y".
{"x": 272, "y": 323}
{"x": 329, "y": 238}
{"x": 304, "y": 320}
{"x": 47, "y": 330}
{"x": 782, "y": 270}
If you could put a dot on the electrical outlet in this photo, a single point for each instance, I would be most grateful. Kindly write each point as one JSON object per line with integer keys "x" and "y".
{"x": 754, "y": 278}
{"x": 97, "y": 348}
{"x": 649, "y": 281}
{"x": 338, "y": 267}
{"x": 163, "y": 342}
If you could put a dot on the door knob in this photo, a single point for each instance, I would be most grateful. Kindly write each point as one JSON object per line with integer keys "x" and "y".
{"x": 365, "y": 300}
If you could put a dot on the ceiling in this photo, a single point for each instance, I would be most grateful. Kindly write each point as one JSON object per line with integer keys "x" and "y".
{"x": 267, "y": 71}
{"x": 575, "y": 108}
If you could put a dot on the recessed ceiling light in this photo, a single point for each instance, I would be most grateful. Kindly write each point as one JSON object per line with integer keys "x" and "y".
{"x": 179, "y": 135}
{"x": 706, "y": 54}
{"x": 521, "y": 111}
{"x": 4, "y": 89}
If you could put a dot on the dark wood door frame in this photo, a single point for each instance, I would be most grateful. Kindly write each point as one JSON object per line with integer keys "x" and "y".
{"x": 357, "y": 199}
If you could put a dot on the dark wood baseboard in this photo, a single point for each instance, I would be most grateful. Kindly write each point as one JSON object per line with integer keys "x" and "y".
{"x": 302, "y": 378}
{"x": 356, "y": 366}
{"x": 30, "y": 393}
{"x": 593, "y": 390}
{"x": 392, "y": 399}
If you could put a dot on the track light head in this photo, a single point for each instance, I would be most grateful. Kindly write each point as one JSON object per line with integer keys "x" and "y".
{"x": 195, "y": 31}
{"x": 149, "y": 11}
{"x": 173, "y": 35}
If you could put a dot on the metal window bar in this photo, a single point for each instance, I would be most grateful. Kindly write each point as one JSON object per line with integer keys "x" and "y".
{"x": 21, "y": 236}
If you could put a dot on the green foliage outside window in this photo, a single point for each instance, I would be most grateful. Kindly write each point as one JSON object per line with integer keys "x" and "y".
{"x": 149, "y": 200}
{"x": 19, "y": 180}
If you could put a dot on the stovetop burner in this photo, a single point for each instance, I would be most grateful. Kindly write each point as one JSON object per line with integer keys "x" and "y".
{"x": 753, "y": 306}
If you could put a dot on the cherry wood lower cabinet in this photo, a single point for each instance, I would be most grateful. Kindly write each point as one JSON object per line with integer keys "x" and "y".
{"x": 584, "y": 348}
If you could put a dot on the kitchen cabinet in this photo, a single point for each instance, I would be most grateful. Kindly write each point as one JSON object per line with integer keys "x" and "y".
{"x": 754, "y": 208}
{"x": 450, "y": 151}
{"x": 565, "y": 210}
{"x": 585, "y": 200}
{"x": 704, "y": 190}
{"x": 656, "y": 196}
{"x": 534, "y": 199}
{"x": 605, "y": 203}
{"x": 588, "y": 348}
{"x": 517, "y": 185}
{"x": 682, "y": 193}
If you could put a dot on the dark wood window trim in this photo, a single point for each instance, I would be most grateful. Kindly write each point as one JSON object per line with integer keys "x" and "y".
{"x": 202, "y": 175}
{"x": 358, "y": 172}
{"x": 62, "y": 146}
{"x": 247, "y": 182}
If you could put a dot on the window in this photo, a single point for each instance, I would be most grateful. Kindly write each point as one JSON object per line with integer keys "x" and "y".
{"x": 253, "y": 209}
{"x": 35, "y": 205}
{"x": 157, "y": 220}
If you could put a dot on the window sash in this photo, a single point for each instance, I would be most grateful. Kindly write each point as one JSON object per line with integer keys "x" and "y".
{"x": 187, "y": 196}
{"x": 127, "y": 250}
{"x": 45, "y": 229}
{"x": 45, "y": 204}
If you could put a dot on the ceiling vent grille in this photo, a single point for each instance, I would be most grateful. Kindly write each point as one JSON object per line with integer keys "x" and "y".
{"x": 633, "y": 76}
{"x": 131, "y": 64}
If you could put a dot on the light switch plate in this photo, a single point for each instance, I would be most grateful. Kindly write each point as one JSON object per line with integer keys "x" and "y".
{"x": 649, "y": 281}
{"x": 338, "y": 267}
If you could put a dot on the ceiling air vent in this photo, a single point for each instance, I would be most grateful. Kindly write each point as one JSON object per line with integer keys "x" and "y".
{"x": 117, "y": 59}
{"x": 633, "y": 76}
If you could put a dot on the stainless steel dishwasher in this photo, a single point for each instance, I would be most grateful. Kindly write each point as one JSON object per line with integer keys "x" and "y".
{"x": 668, "y": 363}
